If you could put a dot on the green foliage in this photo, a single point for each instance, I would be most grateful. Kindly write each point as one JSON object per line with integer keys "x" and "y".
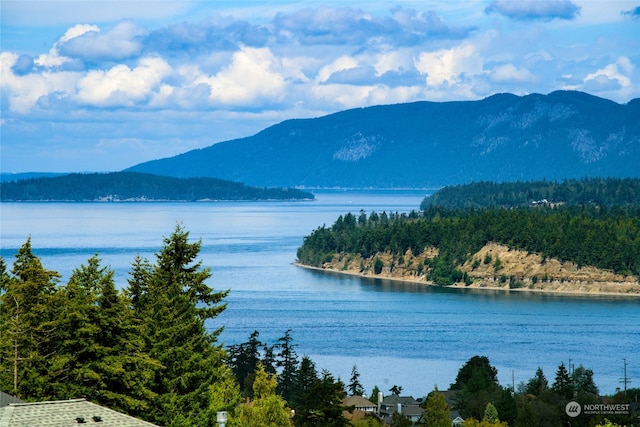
{"x": 399, "y": 420}
{"x": 321, "y": 405}
{"x": 377, "y": 266}
{"x": 123, "y": 186}
{"x": 436, "y": 410}
{"x": 562, "y": 384}
{"x": 538, "y": 384}
{"x": 480, "y": 367}
{"x": 354, "y": 387}
{"x": 243, "y": 359}
{"x": 288, "y": 362}
{"x": 173, "y": 307}
{"x": 603, "y": 237}
{"x": 490, "y": 413}
{"x": 477, "y": 385}
{"x": 27, "y": 320}
{"x": 267, "y": 408}
{"x": 484, "y": 194}
{"x": 374, "y": 394}
{"x": 608, "y": 423}
{"x": 98, "y": 345}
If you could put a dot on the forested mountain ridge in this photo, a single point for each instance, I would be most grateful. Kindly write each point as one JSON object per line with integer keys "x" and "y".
{"x": 504, "y": 137}
{"x": 486, "y": 194}
{"x": 133, "y": 186}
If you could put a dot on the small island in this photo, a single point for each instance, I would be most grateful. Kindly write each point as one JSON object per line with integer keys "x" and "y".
{"x": 138, "y": 187}
{"x": 552, "y": 243}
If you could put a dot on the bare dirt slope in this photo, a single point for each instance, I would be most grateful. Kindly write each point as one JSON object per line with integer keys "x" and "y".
{"x": 496, "y": 266}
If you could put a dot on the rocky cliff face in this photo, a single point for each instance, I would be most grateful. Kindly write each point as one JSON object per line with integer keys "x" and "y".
{"x": 496, "y": 267}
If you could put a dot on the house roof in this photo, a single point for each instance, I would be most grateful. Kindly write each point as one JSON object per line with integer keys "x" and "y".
{"x": 6, "y": 399}
{"x": 394, "y": 399}
{"x": 65, "y": 413}
{"x": 358, "y": 402}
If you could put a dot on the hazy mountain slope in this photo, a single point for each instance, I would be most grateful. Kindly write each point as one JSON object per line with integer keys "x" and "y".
{"x": 427, "y": 144}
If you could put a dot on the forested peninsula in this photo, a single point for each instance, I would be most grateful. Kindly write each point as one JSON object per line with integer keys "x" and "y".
{"x": 568, "y": 245}
{"x": 134, "y": 186}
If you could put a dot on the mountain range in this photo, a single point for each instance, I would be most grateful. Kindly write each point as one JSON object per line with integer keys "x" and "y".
{"x": 562, "y": 135}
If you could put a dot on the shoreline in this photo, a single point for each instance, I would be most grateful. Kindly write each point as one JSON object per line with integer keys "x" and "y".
{"x": 479, "y": 287}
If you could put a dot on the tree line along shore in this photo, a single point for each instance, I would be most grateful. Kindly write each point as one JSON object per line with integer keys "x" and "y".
{"x": 502, "y": 239}
{"x": 145, "y": 351}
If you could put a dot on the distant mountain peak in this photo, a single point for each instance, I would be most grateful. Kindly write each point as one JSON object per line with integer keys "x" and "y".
{"x": 504, "y": 137}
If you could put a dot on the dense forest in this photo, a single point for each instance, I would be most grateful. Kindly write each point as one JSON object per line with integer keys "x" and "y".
{"x": 599, "y": 235}
{"x": 486, "y": 194}
{"x": 133, "y": 186}
{"x": 144, "y": 350}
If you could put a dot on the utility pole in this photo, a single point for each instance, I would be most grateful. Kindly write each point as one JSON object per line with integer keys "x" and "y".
{"x": 625, "y": 380}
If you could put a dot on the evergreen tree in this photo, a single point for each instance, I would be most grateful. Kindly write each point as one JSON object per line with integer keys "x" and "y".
{"x": 174, "y": 305}
{"x": 476, "y": 364}
{"x": 374, "y": 394}
{"x": 583, "y": 381}
{"x": 436, "y": 410}
{"x": 477, "y": 385}
{"x": 506, "y": 406}
{"x": 288, "y": 362}
{"x": 395, "y": 389}
{"x": 267, "y": 408}
{"x": 98, "y": 353}
{"x": 490, "y": 413}
{"x": 354, "y": 387}
{"x": 321, "y": 405}
{"x": 562, "y": 383}
{"x": 537, "y": 384}
{"x": 305, "y": 378}
{"x": 243, "y": 360}
{"x": 27, "y": 317}
{"x": 399, "y": 420}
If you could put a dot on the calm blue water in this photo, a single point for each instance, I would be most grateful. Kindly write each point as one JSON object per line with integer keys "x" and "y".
{"x": 397, "y": 334}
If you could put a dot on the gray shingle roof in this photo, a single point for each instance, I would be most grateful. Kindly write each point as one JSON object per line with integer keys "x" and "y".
{"x": 6, "y": 399}
{"x": 65, "y": 413}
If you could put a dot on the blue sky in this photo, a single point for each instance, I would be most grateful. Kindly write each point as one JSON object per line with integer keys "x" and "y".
{"x": 103, "y": 85}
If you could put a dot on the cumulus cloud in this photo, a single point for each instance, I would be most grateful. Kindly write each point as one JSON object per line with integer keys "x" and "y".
{"x": 450, "y": 66}
{"x": 122, "y": 86}
{"x": 535, "y": 9}
{"x": 613, "y": 76}
{"x": 253, "y": 78}
{"x": 121, "y": 42}
{"x": 509, "y": 73}
{"x": 54, "y": 58}
{"x": 23, "y": 91}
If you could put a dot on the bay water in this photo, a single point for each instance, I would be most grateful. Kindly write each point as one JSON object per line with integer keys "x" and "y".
{"x": 410, "y": 335}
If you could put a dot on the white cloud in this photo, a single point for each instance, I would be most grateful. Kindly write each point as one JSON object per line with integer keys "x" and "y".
{"x": 53, "y": 58}
{"x": 24, "y": 91}
{"x": 617, "y": 72}
{"x": 393, "y": 60}
{"x": 511, "y": 74}
{"x": 340, "y": 64}
{"x": 449, "y": 65}
{"x": 121, "y": 85}
{"x": 118, "y": 43}
{"x": 253, "y": 75}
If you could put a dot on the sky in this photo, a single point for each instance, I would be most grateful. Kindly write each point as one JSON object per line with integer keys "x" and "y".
{"x": 96, "y": 86}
